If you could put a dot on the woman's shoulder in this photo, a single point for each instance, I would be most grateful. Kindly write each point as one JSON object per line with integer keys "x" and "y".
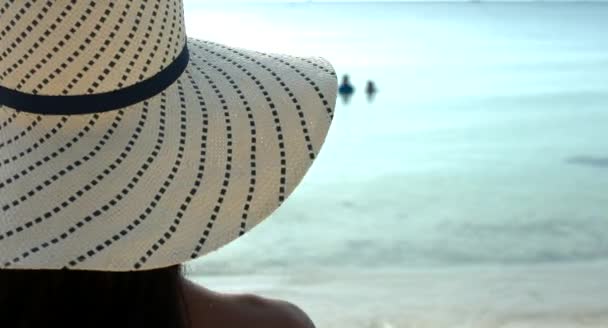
{"x": 268, "y": 313}
{"x": 210, "y": 309}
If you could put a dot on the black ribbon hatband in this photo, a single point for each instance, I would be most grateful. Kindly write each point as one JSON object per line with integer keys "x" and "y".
{"x": 99, "y": 102}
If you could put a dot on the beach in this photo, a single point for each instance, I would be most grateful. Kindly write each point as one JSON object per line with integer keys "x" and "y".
{"x": 472, "y": 192}
{"x": 572, "y": 295}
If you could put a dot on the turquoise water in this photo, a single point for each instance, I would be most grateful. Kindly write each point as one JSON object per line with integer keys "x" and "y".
{"x": 487, "y": 144}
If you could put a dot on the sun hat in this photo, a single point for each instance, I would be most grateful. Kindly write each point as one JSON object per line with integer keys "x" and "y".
{"x": 125, "y": 145}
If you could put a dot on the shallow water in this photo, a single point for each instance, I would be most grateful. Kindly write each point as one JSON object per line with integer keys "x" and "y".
{"x": 471, "y": 193}
{"x": 486, "y": 144}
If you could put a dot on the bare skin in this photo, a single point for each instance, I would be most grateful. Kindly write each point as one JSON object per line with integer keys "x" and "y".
{"x": 215, "y": 310}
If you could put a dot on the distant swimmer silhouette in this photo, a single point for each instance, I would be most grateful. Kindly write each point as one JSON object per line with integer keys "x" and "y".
{"x": 371, "y": 90}
{"x": 346, "y": 89}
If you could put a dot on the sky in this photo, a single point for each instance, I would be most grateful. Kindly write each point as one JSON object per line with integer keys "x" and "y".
{"x": 194, "y": 2}
{"x": 258, "y": 1}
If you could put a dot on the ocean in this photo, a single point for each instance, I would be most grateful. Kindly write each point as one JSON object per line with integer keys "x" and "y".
{"x": 472, "y": 191}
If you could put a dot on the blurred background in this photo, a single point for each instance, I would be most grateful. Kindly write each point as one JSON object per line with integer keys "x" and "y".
{"x": 464, "y": 181}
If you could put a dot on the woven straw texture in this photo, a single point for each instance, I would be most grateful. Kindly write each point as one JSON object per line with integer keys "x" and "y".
{"x": 159, "y": 182}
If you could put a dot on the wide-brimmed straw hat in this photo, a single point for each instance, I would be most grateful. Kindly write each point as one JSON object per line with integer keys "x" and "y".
{"x": 125, "y": 145}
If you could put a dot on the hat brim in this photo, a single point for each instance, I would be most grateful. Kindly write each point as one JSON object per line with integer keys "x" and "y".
{"x": 168, "y": 179}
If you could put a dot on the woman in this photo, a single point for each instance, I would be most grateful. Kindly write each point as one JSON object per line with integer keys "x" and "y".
{"x": 127, "y": 149}
{"x": 153, "y": 298}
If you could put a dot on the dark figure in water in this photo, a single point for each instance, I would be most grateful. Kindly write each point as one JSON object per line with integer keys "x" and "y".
{"x": 371, "y": 90}
{"x": 346, "y": 89}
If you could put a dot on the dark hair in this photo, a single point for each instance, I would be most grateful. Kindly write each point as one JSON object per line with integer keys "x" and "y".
{"x": 59, "y": 298}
